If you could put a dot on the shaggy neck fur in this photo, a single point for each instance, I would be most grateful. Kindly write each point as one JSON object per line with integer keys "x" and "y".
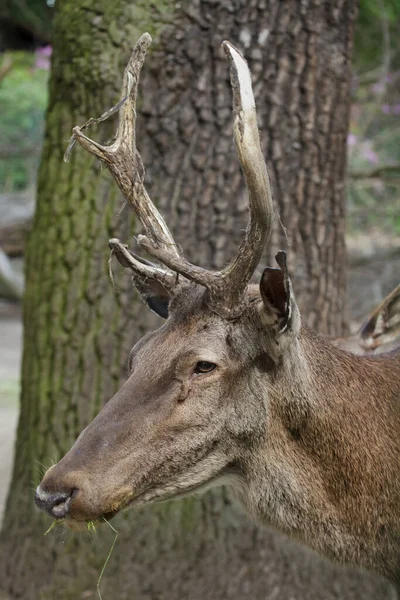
{"x": 328, "y": 472}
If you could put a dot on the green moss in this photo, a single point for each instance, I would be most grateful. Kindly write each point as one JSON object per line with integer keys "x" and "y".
{"x": 153, "y": 19}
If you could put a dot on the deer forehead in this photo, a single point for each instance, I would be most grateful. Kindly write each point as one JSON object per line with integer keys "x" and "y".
{"x": 202, "y": 338}
{"x": 181, "y": 343}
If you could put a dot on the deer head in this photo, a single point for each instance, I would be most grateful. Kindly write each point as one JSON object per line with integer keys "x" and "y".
{"x": 231, "y": 389}
{"x": 195, "y": 404}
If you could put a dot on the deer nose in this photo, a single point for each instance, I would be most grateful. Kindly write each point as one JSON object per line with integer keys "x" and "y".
{"x": 56, "y": 504}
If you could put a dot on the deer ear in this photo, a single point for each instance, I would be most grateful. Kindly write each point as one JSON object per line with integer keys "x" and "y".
{"x": 279, "y": 306}
{"x": 155, "y": 295}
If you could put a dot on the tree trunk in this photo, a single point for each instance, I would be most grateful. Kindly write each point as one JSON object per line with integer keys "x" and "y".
{"x": 78, "y": 329}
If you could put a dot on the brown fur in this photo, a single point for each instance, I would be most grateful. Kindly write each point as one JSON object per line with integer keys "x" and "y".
{"x": 307, "y": 434}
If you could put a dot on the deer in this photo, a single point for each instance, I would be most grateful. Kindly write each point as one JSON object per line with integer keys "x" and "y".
{"x": 233, "y": 389}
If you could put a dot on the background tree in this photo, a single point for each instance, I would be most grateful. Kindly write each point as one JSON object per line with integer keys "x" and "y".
{"x": 78, "y": 330}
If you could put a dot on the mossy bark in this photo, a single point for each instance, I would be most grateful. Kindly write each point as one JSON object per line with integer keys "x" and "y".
{"x": 78, "y": 329}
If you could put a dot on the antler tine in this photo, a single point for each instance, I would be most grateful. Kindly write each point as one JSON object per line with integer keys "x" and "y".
{"x": 123, "y": 161}
{"x": 238, "y": 273}
{"x": 122, "y": 158}
{"x": 227, "y": 286}
{"x": 141, "y": 267}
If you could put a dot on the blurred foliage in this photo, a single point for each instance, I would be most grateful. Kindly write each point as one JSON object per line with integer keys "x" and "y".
{"x": 25, "y": 24}
{"x": 373, "y": 142}
{"x": 377, "y": 33}
{"x": 23, "y": 100}
{"x": 374, "y": 138}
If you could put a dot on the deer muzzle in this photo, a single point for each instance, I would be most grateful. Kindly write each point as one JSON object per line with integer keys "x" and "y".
{"x": 57, "y": 505}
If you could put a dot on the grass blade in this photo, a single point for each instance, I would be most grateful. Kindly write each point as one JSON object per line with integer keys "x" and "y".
{"x": 107, "y": 559}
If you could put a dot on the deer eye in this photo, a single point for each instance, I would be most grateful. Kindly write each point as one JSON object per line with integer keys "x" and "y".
{"x": 203, "y": 366}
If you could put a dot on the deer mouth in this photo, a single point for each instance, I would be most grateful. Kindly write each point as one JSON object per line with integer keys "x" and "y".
{"x": 82, "y": 525}
{"x": 148, "y": 497}
{"x": 228, "y": 475}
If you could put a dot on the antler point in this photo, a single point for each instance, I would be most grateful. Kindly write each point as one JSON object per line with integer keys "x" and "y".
{"x": 146, "y": 37}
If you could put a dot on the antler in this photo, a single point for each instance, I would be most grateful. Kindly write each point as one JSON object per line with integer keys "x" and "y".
{"x": 380, "y": 332}
{"x": 226, "y": 287}
{"x": 248, "y": 147}
{"x": 122, "y": 157}
{"x": 140, "y": 266}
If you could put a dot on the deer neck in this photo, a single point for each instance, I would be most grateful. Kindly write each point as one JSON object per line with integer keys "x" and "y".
{"x": 322, "y": 474}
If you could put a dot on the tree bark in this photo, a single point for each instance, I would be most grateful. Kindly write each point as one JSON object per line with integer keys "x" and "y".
{"x": 78, "y": 329}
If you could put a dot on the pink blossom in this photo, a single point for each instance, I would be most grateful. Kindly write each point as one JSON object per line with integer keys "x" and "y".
{"x": 378, "y": 87}
{"x": 44, "y": 51}
{"x": 371, "y": 156}
{"x": 351, "y": 139}
{"x": 43, "y": 57}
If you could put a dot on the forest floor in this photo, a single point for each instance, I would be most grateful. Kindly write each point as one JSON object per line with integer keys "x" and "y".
{"x": 374, "y": 268}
